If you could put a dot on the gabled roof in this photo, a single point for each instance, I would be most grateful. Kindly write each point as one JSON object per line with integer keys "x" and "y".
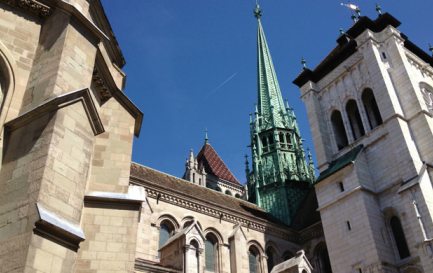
{"x": 151, "y": 178}
{"x": 214, "y": 165}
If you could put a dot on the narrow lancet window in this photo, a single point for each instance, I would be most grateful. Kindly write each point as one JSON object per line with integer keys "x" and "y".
{"x": 339, "y": 131}
{"x": 399, "y": 238}
{"x": 371, "y": 108}
{"x": 211, "y": 251}
{"x": 253, "y": 260}
{"x": 354, "y": 119}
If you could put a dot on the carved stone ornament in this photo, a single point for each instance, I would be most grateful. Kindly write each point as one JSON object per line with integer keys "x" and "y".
{"x": 32, "y": 6}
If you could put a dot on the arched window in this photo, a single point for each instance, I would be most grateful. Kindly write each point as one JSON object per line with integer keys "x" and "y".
{"x": 371, "y": 108}
{"x": 323, "y": 264}
{"x": 228, "y": 192}
{"x": 270, "y": 252}
{"x": 166, "y": 230}
{"x": 188, "y": 223}
{"x": 399, "y": 238}
{"x": 237, "y": 195}
{"x": 211, "y": 253}
{"x": 339, "y": 131}
{"x": 193, "y": 257}
{"x": 281, "y": 137}
{"x": 218, "y": 189}
{"x": 254, "y": 260}
{"x": 354, "y": 119}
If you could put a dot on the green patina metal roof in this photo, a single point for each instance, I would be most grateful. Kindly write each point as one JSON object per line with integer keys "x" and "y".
{"x": 270, "y": 102}
{"x": 340, "y": 163}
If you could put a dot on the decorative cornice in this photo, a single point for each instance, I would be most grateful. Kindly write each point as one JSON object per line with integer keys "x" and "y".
{"x": 57, "y": 103}
{"x": 32, "y": 6}
{"x": 226, "y": 214}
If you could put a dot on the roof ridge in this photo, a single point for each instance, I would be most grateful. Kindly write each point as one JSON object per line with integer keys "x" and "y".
{"x": 194, "y": 185}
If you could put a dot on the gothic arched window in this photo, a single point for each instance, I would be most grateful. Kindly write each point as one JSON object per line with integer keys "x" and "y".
{"x": 254, "y": 260}
{"x": 211, "y": 253}
{"x": 270, "y": 252}
{"x": 354, "y": 119}
{"x": 339, "y": 131}
{"x": 371, "y": 108}
{"x": 323, "y": 264}
{"x": 166, "y": 230}
{"x": 399, "y": 238}
{"x": 228, "y": 192}
{"x": 193, "y": 258}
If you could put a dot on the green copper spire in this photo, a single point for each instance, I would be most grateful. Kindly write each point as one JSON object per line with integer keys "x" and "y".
{"x": 270, "y": 102}
{"x": 280, "y": 176}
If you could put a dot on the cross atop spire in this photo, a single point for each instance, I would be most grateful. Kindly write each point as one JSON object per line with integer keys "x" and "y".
{"x": 257, "y": 11}
{"x": 206, "y": 138}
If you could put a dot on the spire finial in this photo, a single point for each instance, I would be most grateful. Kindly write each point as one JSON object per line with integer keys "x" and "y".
{"x": 206, "y": 138}
{"x": 378, "y": 9}
{"x": 342, "y": 32}
{"x": 430, "y": 48}
{"x": 304, "y": 63}
{"x": 356, "y": 11}
{"x": 257, "y": 11}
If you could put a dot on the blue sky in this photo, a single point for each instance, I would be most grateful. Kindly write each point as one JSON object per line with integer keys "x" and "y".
{"x": 191, "y": 65}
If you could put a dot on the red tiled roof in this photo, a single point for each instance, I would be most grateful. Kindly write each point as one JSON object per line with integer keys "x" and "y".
{"x": 214, "y": 165}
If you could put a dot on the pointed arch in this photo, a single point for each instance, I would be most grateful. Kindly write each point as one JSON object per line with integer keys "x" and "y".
{"x": 321, "y": 258}
{"x": 371, "y": 108}
{"x": 354, "y": 119}
{"x": 7, "y": 82}
{"x": 339, "y": 130}
{"x": 254, "y": 258}
{"x": 213, "y": 240}
{"x": 399, "y": 237}
{"x": 168, "y": 217}
{"x": 272, "y": 254}
{"x": 257, "y": 245}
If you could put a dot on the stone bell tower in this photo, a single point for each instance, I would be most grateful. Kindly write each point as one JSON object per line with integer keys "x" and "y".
{"x": 369, "y": 104}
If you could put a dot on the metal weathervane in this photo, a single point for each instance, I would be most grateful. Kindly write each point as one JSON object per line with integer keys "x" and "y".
{"x": 356, "y": 11}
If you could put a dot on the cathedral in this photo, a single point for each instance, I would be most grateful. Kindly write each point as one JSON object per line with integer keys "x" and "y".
{"x": 71, "y": 199}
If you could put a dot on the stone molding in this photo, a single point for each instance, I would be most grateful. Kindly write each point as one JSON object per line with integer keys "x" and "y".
{"x": 54, "y": 104}
{"x": 61, "y": 231}
{"x": 217, "y": 212}
{"x": 149, "y": 266}
{"x": 32, "y": 6}
{"x": 132, "y": 200}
